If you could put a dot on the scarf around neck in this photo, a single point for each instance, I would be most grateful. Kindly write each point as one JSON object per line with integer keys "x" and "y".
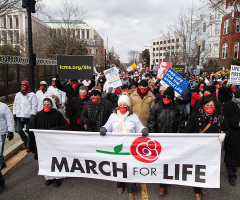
{"x": 121, "y": 124}
{"x": 141, "y": 94}
{"x": 213, "y": 120}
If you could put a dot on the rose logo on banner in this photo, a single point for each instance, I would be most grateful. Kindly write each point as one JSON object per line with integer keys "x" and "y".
{"x": 145, "y": 150}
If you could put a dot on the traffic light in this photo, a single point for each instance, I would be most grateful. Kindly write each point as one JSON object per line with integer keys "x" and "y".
{"x": 25, "y": 3}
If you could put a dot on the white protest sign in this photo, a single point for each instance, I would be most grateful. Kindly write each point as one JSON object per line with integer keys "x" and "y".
{"x": 113, "y": 77}
{"x": 169, "y": 158}
{"x": 235, "y": 75}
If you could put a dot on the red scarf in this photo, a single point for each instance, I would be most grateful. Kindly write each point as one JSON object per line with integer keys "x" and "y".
{"x": 141, "y": 94}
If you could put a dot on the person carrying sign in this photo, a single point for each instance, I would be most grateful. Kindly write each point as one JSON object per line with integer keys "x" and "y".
{"x": 72, "y": 90}
{"x": 208, "y": 119}
{"x": 166, "y": 117}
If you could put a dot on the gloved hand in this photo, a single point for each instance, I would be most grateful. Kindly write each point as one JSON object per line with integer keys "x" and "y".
{"x": 15, "y": 118}
{"x": 10, "y": 135}
{"x": 32, "y": 117}
{"x": 103, "y": 131}
{"x": 144, "y": 132}
{"x": 221, "y": 138}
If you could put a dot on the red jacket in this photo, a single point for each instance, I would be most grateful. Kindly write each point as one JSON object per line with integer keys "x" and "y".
{"x": 195, "y": 96}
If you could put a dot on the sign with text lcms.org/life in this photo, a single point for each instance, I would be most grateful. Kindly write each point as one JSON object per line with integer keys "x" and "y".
{"x": 75, "y": 67}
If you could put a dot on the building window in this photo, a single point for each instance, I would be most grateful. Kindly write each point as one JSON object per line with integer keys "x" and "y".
{"x": 154, "y": 43}
{"x": 204, "y": 27}
{"x": 93, "y": 51}
{"x": 224, "y": 50}
{"x": 203, "y": 45}
{"x": 173, "y": 40}
{"x": 16, "y": 38}
{"x": 78, "y": 34}
{"x": 165, "y": 42}
{"x": 161, "y": 42}
{"x": 216, "y": 50}
{"x": 157, "y": 43}
{"x": 168, "y": 47}
{"x": 237, "y": 25}
{"x": 17, "y": 23}
{"x": 236, "y": 49}
{"x": 177, "y": 40}
{"x": 226, "y": 27}
{"x": 160, "y": 48}
{"x": 217, "y": 29}
{"x": 168, "y": 41}
{"x": 172, "y": 47}
{"x": 87, "y": 34}
{"x": 153, "y": 49}
{"x": 156, "y": 60}
{"x": 157, "y": 49}
{"x": 160, "y": 54}
{"x": 4, "y": 23}
{"x": 10, "y": 23}
{"x": 156, "y": 54}
{"x": 83, "y": 34}
{"x": 164, "y": 48}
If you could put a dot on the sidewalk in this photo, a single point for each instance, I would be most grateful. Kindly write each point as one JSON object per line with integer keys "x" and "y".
{"x": 12, "y": 147}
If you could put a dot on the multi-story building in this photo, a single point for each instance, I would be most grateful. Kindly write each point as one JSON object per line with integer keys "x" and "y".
{"x": 230, "y": 34}
{"x": 165, "y": 49}
{"x": 81, "y": 31}
{"x": 14, "y": 29}
{"x": 14, "y": 32}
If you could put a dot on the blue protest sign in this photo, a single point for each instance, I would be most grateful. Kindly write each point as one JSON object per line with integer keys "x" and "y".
{"x": 172, "y": 78}
{"x": 196, "y": 71}
{"x": 155, "y": 68}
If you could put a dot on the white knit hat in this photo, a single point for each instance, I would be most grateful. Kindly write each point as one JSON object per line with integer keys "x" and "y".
{"x": 43, "y": 83}
{"x": 123, "y": 99}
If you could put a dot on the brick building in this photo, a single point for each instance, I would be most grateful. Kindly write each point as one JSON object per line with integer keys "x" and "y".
{"x": 230, "y": 35}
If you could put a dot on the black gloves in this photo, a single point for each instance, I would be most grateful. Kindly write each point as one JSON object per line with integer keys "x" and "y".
{"x": 103, "y": 131}
{"x": 10, "y": 135}
{"x": 32, "y": 117}
{"x": 144, "y": 132}
{"x": 15, "y": 118}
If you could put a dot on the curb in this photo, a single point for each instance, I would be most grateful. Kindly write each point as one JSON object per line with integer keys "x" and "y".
{"x": 12, "y": 150}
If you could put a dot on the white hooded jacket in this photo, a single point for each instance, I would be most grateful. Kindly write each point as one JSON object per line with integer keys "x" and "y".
{"x": 61, "y": 95}
{"x": 25, "y": 105}
{"x": 40, "y": 96}
{"x": 6, "y": 120}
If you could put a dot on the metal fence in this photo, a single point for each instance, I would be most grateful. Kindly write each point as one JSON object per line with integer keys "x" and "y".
{"x": 14, "y": 69}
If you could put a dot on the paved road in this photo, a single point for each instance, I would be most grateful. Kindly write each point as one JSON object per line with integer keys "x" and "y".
{"x": 23, "y": 183}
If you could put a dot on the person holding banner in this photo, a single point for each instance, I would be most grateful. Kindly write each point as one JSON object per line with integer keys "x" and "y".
{"x": 51, "y": 119}
{"x": 166, "y": 117}
{"x": 124, "y": 120}
{"x": 231, "y": 112}
{"x": 208, "y": 119}
{"x": 96, "y": 112}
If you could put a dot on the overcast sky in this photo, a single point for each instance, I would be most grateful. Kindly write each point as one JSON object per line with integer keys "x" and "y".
{"x": 129, "y": 24}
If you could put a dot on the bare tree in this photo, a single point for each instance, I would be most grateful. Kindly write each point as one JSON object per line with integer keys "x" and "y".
{"x": 133, "y": 56}
{"x": 70, "y": 15}
{"x": 7, "y": 6}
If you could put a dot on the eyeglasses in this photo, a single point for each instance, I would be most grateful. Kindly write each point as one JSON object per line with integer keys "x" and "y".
{"x": 167, "y": 97}
{"x": 209, "y": 106}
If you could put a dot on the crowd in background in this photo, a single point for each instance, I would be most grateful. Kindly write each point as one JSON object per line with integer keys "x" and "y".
{"x": 141, "y": 104}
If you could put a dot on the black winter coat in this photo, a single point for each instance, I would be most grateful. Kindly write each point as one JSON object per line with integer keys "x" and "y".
{"x": 52, "y": 120}
{"x": 71, "y": 93}
{"x": 224, "y": 94}
{"x": 113, "y": 97}
{"x": 75, "y": 112}
{"x": 166, "y": 118}
{"x": 196, "y": 124}
{"x": 94, "y": 117}
{"x": 232, "y": 141}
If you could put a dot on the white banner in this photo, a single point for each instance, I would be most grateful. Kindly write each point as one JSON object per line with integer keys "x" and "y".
{"x": 182, "y": 159}
{"x": 235, "y": 75}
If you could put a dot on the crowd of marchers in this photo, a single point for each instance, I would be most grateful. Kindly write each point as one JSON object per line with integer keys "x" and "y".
{"x": 140, "y": 105}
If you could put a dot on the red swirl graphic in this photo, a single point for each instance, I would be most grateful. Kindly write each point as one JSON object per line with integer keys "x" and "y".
{"x": 145, "y": 150}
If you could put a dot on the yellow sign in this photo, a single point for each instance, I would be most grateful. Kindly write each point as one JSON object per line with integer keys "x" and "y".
{"x": 133, "y": 66}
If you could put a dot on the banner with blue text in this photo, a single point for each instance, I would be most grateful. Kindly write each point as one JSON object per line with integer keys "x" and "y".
{"x": 181, "y": 159}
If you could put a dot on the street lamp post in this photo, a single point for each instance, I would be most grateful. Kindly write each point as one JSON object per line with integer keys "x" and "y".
{"x": 30, "y": 6}
{"x": 199, "y": 44}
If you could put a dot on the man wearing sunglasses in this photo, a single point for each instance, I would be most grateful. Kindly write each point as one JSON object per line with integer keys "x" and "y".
{"x": 166, "y": 117}
{"x": 96, "y": 112}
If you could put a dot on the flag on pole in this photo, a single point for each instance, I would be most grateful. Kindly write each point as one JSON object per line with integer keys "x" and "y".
{"x": 133, "y": 66}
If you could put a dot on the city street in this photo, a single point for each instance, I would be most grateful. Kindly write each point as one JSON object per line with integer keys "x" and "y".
{"x": 22, "y": 182}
